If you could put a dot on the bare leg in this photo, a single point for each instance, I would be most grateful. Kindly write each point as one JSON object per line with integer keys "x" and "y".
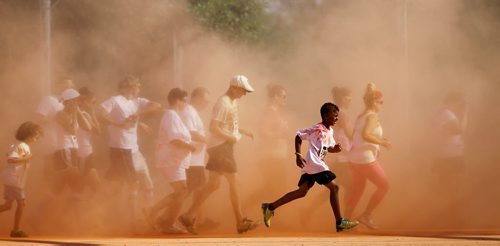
{"x": 6, "y": 206}
{"x": 234, "y": 196}
{"x": 334, "y": 199}
{"x": 212, "y": 185}
{"x": 175, "y": 202}
{"x": 19, "y": 214}
{"x": 376, "y": 175}
{"x": 358, "y": 184}
{"x": 290, "y": 196}
{"x": 163, "y": 203}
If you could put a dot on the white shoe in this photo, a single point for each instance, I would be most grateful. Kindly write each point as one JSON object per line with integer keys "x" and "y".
{"x": 367, "y": 221}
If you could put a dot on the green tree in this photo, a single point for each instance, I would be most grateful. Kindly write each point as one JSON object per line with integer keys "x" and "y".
{"x": 243, "y": 20}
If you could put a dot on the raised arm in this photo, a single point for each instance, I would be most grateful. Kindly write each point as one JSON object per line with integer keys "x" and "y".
{"x": 68, "y": 121}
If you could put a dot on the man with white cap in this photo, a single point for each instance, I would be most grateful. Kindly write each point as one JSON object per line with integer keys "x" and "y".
{"x": 224, "y": 133}
{"x": 46, "y": 112}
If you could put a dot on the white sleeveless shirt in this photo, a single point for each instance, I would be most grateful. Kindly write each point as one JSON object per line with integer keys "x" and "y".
{"x": 362, "y": 151}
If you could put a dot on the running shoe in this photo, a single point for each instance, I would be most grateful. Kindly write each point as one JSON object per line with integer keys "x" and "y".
{"x": 18, "y": 233}
{"x": 173, "y": 230}
{"x": 268, "y": 213}
{"x": 368, "y": 222}
{"x": 246, "y": 225}
{"x": 346, "y": 224}
{"x": 188, "y": 223}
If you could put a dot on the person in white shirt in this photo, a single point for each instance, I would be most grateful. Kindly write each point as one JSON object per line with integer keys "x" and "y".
{"x": 15, "y": 172}
{"x": 66, "y": 162}
{"x": 46, "y": 112}
{"x": 338, "y": 163}
{"x": 173, "y": 156}
{"x": 224, "y": 133}
{"x": 128, "y": 168}
{"x": 363, "y": 157}
{"x": 196, "y": 173}
{"x": 313, "y": 168}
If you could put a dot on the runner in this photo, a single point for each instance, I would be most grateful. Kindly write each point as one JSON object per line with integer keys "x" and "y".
{"x": 313, "y": 168}
{"x": 225, "y": 133}
{"x": 363, "y": 158}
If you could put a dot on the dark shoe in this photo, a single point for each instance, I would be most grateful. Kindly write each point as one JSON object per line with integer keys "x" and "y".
{"x": 18, "y": 233}
{"x": 346, "y": 224}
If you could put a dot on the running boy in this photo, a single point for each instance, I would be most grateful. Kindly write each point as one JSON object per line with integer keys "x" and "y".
{"x": 15, "y": 172}
{"x": 313, "y": 168}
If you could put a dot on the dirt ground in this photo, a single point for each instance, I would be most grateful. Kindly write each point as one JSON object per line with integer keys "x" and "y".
{"x": 307, "y": 239}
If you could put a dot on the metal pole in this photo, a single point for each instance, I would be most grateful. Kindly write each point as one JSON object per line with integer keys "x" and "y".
{"x": 45, "y": 60}
{"x": 178, "y": 55}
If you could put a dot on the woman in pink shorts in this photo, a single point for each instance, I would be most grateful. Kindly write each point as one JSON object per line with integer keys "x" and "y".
{"x": 363, "y": 157}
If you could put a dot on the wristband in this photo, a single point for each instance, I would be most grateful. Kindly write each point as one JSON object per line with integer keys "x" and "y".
{"x": 298, "y": 154}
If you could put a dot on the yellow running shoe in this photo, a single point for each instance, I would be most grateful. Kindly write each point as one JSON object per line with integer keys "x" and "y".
{"x": 268, "y": 213}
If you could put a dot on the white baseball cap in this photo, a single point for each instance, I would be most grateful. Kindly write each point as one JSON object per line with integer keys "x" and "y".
{"x": 69, "y": 94}
{"x": 242, "y": 82}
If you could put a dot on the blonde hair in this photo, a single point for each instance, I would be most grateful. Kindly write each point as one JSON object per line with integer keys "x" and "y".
{"x": 371, "y": 94}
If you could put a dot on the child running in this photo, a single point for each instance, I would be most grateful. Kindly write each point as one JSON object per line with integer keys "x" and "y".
{"x": 15, "y": 172}
{"x": 313, "y": 168}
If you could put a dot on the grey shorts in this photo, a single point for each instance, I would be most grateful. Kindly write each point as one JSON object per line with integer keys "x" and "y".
{"x": 196, "y": 177}
{"x": 221, "y": 158}
{"x": 13, "y": 193}
{"x": 121, "y": 167}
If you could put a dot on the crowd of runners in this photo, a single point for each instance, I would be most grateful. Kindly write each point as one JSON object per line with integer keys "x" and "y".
{"x": 195, "y": 157}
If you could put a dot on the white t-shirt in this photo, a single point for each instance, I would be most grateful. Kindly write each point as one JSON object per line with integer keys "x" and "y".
{"x": 48, "y": 108}
{"x": 167, "y": 154}
{"x": 225, "y": 111}
{"x": 362, "y": 151}
{"x": 192, "y": 120}
{"x": 448, "y": 146}
{"x": 119, "y": 108}
{"x": 320, "y": 138}
{"x": 14, "y": 174}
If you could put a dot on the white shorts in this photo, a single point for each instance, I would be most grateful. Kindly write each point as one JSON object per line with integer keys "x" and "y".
{"x": 173, "y": 173}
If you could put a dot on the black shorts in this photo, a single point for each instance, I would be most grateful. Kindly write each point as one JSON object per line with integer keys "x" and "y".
{"x": 65, "y": 158}
{"x": 321, "y": 178}
{"x": 121, "y": 167}
{"x": 86, "y": 164}
{"x": 195, "y": 177}
{"x": 221, "y": 158}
